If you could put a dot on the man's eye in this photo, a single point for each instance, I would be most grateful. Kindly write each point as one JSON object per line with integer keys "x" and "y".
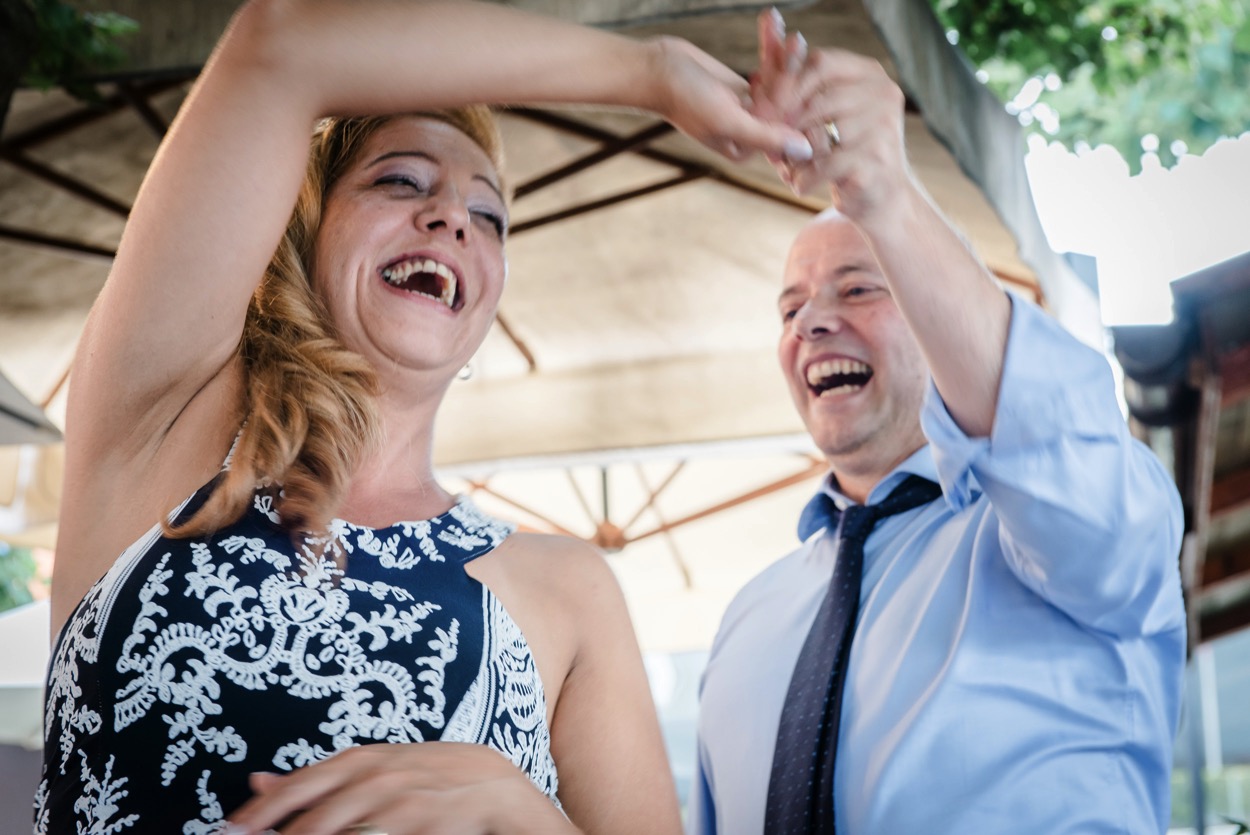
{"x": 787, "y": 315}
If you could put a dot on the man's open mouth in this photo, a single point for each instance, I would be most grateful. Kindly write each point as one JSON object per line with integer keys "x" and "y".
{"x": 837, "y": 376}
{"x": 425, "y": 277}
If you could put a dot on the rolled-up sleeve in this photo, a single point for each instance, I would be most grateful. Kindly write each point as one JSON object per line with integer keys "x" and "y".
{"x": 1089, "y": 518}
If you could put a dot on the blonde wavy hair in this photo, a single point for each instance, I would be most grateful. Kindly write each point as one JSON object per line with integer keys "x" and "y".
{"x": 308, "y": 401}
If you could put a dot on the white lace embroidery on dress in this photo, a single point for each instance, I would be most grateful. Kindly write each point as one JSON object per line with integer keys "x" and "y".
{"x": 507, "y": 687}
{"x": 295, "y": 631}
{"x": 97, "y": 806}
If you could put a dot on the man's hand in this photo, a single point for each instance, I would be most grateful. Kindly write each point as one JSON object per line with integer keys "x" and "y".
{"x": 833, "y": 93}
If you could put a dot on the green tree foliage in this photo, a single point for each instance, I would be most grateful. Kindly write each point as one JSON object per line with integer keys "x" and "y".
{"x": 1117, "y": 70}
{"x": 17, "y": 569}
{"x": 72, "y": 44}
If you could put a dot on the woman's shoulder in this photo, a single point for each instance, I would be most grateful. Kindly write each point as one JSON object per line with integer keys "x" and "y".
{"x": 557, "y": 557}
{"x": 563, "y": 573}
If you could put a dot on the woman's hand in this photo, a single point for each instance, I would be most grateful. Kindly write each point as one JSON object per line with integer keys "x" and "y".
{"x": 866, "y": 167}
{"x": 401, "y": 789}
{"x": 710, "y": 103}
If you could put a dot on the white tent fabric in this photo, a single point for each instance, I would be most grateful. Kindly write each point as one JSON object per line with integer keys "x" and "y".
{"x": 634, "y": 332}
{"x": 24, "y": 649}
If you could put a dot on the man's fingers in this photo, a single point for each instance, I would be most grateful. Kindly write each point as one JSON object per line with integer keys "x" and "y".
{"x": 833, "y": 69}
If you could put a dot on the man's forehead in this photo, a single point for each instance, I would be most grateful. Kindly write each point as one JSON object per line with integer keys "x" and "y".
{"x": 827, "y": 263}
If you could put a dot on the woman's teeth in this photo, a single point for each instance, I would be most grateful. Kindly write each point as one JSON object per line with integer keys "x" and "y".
{"x": 425, "y": 277}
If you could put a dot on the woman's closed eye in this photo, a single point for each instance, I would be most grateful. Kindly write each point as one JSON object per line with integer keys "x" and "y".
{"x": 491, "y": 218}
{"x": 403, "y": 181}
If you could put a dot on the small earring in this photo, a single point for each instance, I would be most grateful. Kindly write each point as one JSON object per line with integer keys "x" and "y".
{"x": 466, "y": 372}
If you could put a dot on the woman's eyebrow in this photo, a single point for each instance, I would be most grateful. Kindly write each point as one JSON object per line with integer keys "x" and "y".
{"x": 423, "y": 155}
{"x": 393, "y": 154}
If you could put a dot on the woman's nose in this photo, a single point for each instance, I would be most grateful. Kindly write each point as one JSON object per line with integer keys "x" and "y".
{"x": 445, "y": 211}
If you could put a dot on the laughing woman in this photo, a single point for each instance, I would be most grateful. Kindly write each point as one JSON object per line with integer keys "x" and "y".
{"x": 303, "y": 630}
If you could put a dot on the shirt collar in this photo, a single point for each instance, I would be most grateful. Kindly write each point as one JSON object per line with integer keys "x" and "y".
{"x": 919, "y": 463}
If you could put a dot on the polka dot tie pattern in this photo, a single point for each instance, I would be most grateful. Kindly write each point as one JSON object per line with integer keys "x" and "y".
{"x": 800, "y": 788}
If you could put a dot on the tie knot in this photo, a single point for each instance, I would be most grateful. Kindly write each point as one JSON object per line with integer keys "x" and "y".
{"x": 858, "y": 520}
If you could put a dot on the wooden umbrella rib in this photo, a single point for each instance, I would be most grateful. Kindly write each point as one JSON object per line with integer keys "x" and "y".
{"x": 54, "y": 128}
{"x": 139, "y": 102}
{"x": 586, "y": 131}
{"x": 63, "y": 246}
{"x": 517, "y": 341}
{"x": 813, "y": 468}
{"x": 481, "y": 486}
{"x": 605, "y": 202}
{"x": 652, "y": 495}
{"x": 609, "y": 150}
{"x": 65, "y": 182}
{"x": 581, "y": 498}
{"x": 56, "y": 389}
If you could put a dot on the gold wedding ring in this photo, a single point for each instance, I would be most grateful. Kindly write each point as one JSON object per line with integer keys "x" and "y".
{"x": 831, "y": 131}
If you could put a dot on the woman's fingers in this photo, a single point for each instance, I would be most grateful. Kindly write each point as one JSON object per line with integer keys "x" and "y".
{"x": 434, "y": 784}
{"x": 781, "y": 58}
{"x": 707, "y": 102}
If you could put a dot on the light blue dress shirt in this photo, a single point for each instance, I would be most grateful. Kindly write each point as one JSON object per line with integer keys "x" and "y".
{"x": 1019, "y": 654}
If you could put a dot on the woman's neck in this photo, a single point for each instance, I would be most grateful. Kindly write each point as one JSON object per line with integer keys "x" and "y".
{"x": 395, "y": 481}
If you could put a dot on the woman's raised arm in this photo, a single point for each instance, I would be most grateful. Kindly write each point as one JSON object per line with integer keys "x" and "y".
{"x": 218, "y": 195}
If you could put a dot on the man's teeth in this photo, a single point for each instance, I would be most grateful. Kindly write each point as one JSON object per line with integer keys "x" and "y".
{"x": 819, "y": 372}
{"x": 397, "y": 274}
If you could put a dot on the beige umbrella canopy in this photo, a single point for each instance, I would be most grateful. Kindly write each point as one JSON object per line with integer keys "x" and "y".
{"x": 637, "y": 331}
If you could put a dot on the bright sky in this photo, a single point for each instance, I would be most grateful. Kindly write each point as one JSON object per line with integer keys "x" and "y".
{"x": 1146, "y": 230}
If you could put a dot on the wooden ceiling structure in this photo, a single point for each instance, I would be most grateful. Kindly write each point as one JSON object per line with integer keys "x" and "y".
{"x": 1188, "y": 391}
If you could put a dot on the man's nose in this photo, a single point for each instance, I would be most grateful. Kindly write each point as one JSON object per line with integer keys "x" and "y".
{"x": 816, "y": 319}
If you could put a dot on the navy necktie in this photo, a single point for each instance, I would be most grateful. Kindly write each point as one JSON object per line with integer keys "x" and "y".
{"x": 800, "y": 788}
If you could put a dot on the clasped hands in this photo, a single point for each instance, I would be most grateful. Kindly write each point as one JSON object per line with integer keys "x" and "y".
{"x": 845, "y": 107}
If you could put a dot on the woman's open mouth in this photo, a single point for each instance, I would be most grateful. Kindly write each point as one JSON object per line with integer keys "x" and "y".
{"x": 425, "y": 277}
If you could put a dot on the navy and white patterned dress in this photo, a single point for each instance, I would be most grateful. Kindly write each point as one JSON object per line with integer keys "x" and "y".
{"x": 194, "y": 662}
